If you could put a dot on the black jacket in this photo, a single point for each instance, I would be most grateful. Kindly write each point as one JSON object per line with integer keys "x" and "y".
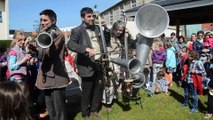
{"x": 78, "y": 42}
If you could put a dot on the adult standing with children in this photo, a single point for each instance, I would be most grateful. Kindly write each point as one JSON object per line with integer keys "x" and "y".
{"x": 52, "y": 77}
{"x": 86, "y": 41}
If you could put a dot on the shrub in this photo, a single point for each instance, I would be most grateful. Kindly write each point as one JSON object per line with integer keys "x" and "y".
{"x": 4, "y": 44}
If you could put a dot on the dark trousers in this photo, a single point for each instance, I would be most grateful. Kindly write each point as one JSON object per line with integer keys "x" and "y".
{"x": 177, "y": 74}
{"x": 210, "y": 103}
{"x": 91, "y": 94}
{"x": 55, "y": 102}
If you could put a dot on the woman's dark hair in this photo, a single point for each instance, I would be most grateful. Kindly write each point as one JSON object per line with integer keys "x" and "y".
{"x": 182, "y": 38}
{"x": 194, "y": 34}
{"x": 163, "y": 35}
{"x": 200, "y": 32}
{"x": 194, "y": 55}
{"x": 172, "y": 34}
{"x": 160, "y": 74}
{"x": 207, "y": 34}
{"x": 13, "y": 101}
{"x": 86, "y": 10}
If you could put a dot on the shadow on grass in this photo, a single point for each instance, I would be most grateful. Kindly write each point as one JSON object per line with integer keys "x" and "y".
{"x": 176, "y": 96}
{"x": 180, "y": 99}
{"x": 201, "y": 107}
{"x": 124, "y": 105}
{"x": 127, "y": 100}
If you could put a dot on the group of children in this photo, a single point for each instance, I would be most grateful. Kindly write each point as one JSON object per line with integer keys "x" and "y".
{"x": 194, "y": 73}
{"x": 22, "y": 64}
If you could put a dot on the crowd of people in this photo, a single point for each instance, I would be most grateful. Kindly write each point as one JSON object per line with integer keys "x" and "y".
{"x": 44, "y": 73}
{"x": 186, "y": 62}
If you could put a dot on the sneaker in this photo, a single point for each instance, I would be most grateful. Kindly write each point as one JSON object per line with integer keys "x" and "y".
{"x": 193, "y": 110}
{"x": 150, "y": 94}
{"x": 205, "y": 87}
{"x": 208, "y": 116}
{"x": 185, "y": 105}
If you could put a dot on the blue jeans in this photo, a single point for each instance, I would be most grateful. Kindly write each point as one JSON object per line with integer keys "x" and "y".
{"x": 189, "y": 89}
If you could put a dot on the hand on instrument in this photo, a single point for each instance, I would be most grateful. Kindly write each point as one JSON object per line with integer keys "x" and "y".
{"x": 90, "y": 51}
{"x": 27, "y": 57}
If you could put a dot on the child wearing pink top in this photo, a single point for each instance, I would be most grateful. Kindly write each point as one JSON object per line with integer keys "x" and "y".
{"x": 17, "y": 59}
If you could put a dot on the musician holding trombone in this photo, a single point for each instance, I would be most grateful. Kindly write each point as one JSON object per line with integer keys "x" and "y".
{"x": 87, "y": 42}
{"x": 52, "y": 77}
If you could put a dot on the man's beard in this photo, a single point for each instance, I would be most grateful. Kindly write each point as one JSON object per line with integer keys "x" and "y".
{"x": 89, "y": 26}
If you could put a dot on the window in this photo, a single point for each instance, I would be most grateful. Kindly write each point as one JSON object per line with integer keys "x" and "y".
{"x": 111, "y": 17}
{"x": 133, "y": 3}
{"x": 121, "y": 13}
{"x": 1, "y": 17}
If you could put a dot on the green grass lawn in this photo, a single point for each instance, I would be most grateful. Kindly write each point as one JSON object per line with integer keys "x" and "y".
{"x": 158, "y": 107}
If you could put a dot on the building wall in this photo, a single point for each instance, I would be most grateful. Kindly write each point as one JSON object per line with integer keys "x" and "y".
{"x": 206, "y": 27}
{"x": 117, "y": 11}
{"x": 4, "y": 26}
{"x": 192, "y": 29}
{"x": 130, "y": 20}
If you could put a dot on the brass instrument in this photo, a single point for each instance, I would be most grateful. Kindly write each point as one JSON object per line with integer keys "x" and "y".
{"x": 44, "y": 39}
{"x": 151, "y": 21}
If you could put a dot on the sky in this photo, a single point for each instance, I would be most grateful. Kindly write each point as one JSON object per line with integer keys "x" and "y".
{"x": 24, "y": 14}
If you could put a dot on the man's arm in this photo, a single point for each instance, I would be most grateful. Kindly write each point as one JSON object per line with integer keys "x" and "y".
{"x": 73, "y": 43}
